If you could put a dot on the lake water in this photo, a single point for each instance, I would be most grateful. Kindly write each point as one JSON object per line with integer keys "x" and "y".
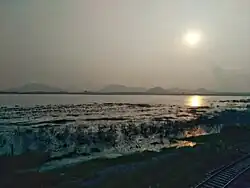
{"x": 82, "y": 127}
{"x": 28, "y": 100}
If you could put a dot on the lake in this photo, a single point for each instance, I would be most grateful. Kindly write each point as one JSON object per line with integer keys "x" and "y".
{"x": 84, "y": 99}
{"x": 75, "y": 128}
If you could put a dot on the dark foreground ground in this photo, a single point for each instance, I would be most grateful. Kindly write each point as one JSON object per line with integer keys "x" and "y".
{"x": 183, "y": 167}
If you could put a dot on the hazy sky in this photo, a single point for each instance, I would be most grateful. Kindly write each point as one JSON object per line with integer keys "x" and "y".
{"x": 91, "y": 43}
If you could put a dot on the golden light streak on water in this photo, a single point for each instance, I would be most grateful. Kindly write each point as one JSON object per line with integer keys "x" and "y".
{"x": 195, "y": 101}
{"x": 181, "y": 144}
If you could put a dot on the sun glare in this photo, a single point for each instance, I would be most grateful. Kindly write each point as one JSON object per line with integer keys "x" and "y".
{"x": 195, "y": 101}
{"x": 192, "y": 38}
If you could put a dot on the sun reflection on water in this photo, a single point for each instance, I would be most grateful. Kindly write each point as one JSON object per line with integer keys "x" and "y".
{"x": 195, "y": 101}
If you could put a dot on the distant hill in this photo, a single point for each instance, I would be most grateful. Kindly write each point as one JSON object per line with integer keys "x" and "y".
{"x": 178, "y": 90}
{"x": 159, "y": 90}
{"x": 121, "y": 88}
{"x": 35, "y": 87}
{"x": 110, "y": 89}
{"x": 203, "y": 90}
{"x": 156, "y": 90}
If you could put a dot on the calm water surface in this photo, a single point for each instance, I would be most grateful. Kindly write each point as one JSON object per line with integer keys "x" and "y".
{"x": 85, "y": 99}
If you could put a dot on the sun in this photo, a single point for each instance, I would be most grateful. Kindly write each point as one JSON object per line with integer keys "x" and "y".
{"x": 192, "y": 38}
